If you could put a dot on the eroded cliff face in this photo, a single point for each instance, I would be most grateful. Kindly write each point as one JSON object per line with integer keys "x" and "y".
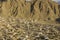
{"x": 29, "y": 20}
{"x": 34, "y": 9}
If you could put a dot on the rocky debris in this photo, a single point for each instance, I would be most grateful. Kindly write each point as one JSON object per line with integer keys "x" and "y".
{"x": 14, "y": 29}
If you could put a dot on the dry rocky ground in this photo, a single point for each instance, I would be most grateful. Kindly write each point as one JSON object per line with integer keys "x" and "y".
{"x": 21, "y": 29}
{"x": 29, "y": 20}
